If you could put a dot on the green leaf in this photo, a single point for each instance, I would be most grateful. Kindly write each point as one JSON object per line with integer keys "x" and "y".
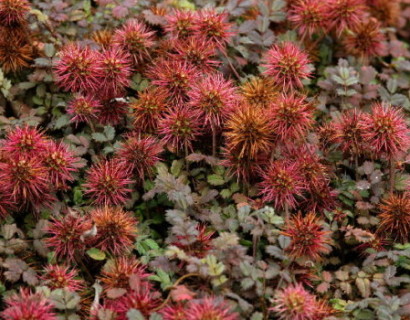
{"x": 99, "y": 137}
{"x": 109, "y": 132}
{"x": 49, "y": 50}
{"x": 96, "y": 254}
{"x": 62, "y": 121}
{"x": 215, "y": 180}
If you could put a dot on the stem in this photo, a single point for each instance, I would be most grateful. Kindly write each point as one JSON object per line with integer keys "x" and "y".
{"x": 213, "y": 141}
{"x": 392, "y": 174}
{"x": 287, "y": 214}
{"x": 230, "y": 64}
{"x": 173, "y": 286}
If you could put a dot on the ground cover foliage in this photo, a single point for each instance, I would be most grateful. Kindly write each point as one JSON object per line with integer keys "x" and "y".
{"x": 204, "y": 160}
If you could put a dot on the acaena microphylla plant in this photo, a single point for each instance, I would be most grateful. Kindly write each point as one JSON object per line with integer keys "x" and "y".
{"x": 24, "y": 141}
{"x": 210, "y": 308}
{"x": 249, "y": 131}
{"x": 175, "y": 77}
{"x": 67, "y": 236}
{"x": 282, "y": 184}
{"x": 198, "y": 52}
{"x": 79, "y": 69}
{"x": 148, "y": 109}
{"x": 179, "y": 128}
{"x": 115, "y": 71}
{"x": 348, "y": 133}
{"x": 309, "y": 17}
{"x": 385, "y": 131}
{"x": 60, "y": 277}
{"x": 112, "y": 112}
{"x": 296, "y": 303}
{"x": 141, "y": 298}
{"x": 243, "y": 168}
{"x": 108, "y": 182}
{"x": 135, "y": 38}
{"x": 259, "y": 91}
{"x": 103, "y": 37}
{"x": 18, "y": 54}
{"x": 175, "y": 311}
{"x": 213, "y": 26}
{"x": 13, "y": 12}
{"x": 28, "y": 305}
{"x": 140, "y": 154}
{"x": 117, "y": 272}
{"x": 27, "y": 182}
{"x": 116, "y": 229}
{"x": 385, "y": 11}
{"x": 214, "y": 97}
{"x": 395, "y": 217}
{"x": 83, "y": 109}
{"x": 345, "y": 14}
{"x": 181, "y": 24}
{"x": 287, "y": 65}
{"x": 292, "y": 117}
{"x": 366, "y": 40}
{"x": 308, "y": 239}
{"x": 60, "y": 163}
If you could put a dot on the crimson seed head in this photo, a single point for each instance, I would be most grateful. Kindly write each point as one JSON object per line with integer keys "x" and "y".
{"x": 366, "y": 40}
{"x": 148, "y": 109}
{"x": 214, "y": 97}
{"x": 13, "y": 12}
{"x": 385, "y": 131}
{"x": 135, "y": 38}
{"x": 281, "y": 184}
{"x": 79, "y": 69}
{"x": 213, "y": 26}
{"x": 112, "y": 112}
{"x": 198, "y": 52}
{"x": 83, "y": 109}
{"x": 348, "y": 132}
{"x": 395, "y": 217}
{"x": 179, "y": 128}
{"x": 27, "y": 182}
{"x": 249, "y": 132}
{"x": 243, "y": 168}
{"x": 140, "y": 154}
{"x": 27, "y": 305}
{"x": 308, "y": 239}
{"x": 175, "y": 77}
{"x": 141, "y": 298}
{"x": 309, "y": 17}
{"x": 259, "y": 91}
{"x": 292, "y": 117}
{"x": 67, "y": 236}
{"x": 17, "y": 54}
{"x": 214, "y": 308}
{"x": 345, "y": 14}
{"x": 181, "y": 24}
{"x": 56, "y": 276}
{"x": 107, "y": 183}
{"x": 287, "y": 64}
{"x": 173, "y": 312}
{"x": 25, "y": 142}
{"x": 60, "y": 162}
{"x": 116, "y": 72}
{"x": 116, "y": 273}
{"x": 295, "y": 303}
{"x": 116, "y": 229}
